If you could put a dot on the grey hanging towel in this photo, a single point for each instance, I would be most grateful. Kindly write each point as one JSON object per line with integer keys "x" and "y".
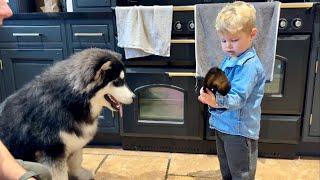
{"x": 144, "y": 30}
{"x": 208, "y": 48}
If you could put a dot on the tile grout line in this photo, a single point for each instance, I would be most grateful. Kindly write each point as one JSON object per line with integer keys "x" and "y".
{"x": 125, "y": 155}
{"x": 100, "y": 164}
{"x": 168, "y": 166}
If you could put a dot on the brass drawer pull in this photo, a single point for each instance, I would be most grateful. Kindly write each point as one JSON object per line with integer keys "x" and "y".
{"x": 88, "y": 34}
{"x": 26, "y": 34}
{"x": 181, "y": 74}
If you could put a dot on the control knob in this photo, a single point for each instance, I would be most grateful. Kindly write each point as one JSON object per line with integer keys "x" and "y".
{"x": 191, "y": 25}
{"x": 178, "y": 26}
{"x": 297, "y": 23}
{"x": 283, "y": 23}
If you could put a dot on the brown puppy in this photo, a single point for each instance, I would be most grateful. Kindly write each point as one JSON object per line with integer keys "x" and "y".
{"x": 215, "y": 80}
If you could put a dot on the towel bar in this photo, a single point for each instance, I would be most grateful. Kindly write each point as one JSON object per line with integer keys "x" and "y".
{"x": 175, "y": 8}
{"x": 182, "y": 41}
{"x": 283, "y": 5}
{"x": 181, "y": 74}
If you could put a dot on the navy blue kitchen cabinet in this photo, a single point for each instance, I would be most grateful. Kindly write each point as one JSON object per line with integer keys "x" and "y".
{"x": 27, "y": 48}
{"x": 315, "y": 119}
{"x": 30, "y": 43}
{"x": 84, "y": 34}
{"x": 93, "y": 6}
{"x": 2, "y": 86}
{"x": 22, "y": 65}
{"x": 311, "y": 119}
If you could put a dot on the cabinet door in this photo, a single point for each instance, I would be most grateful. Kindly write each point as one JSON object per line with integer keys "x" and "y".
{"x": 93, "y": 6}
{"x": 2, "y": 91}
{"x": 108, "y": 121}
{"x": 21, "y": 66}
{"x": 315, "y": 123}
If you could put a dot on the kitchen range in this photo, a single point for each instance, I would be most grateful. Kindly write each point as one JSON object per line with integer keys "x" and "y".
{"x": 166, "y": 115}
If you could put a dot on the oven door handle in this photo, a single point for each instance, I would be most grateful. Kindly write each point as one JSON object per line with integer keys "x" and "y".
{"x": 181, "y": 74}
{"x": 281, "y": 58}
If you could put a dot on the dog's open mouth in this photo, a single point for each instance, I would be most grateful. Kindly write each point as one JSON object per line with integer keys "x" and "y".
{"x": 114, "y": 103}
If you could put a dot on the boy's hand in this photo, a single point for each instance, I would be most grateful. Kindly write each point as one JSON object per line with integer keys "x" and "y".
{"x": 207, "y": 98}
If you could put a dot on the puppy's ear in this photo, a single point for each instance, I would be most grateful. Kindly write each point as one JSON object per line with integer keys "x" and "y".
{"x": 106, "y": 66}
{"x": 102, "y": 70}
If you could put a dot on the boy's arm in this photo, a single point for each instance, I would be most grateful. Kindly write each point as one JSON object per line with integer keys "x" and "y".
{"x": 242, "y": 84}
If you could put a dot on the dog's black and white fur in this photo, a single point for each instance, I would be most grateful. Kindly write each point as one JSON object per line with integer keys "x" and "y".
{"x": 55, "y": 115}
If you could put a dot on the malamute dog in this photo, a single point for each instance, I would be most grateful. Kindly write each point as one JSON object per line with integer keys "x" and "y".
{"x": 54, "y": 116}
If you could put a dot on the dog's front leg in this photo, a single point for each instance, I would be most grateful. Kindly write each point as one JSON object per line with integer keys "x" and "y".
{"x": 75, "y": 168}
{"x": 59, "y": 169}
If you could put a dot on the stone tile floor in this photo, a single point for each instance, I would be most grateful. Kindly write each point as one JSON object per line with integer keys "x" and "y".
{"x": 116, "y": 163}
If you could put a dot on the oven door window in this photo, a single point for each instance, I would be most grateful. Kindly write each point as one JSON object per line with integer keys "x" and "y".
{"x": 161, "y": 104}
{"x": 276, "y": 86}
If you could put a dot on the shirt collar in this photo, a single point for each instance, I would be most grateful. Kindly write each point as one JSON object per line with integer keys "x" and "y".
{"x": 241, "y": 59}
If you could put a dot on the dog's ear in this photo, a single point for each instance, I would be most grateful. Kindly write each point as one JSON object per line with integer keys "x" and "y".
{"x": 106, "y": 66}
{"x": 102, "y": 70}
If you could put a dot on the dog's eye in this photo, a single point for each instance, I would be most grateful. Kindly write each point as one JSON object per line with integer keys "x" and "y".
{"x": 118, "y": 82}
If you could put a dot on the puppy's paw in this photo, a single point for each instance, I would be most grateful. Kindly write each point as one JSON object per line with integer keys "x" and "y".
{"x": 82, "y": 174}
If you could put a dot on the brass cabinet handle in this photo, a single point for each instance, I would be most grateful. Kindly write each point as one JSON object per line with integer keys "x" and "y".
{"x": 87, "y": 34}
{"x": 181, "y": 74}
{"x": 26, "y": 34}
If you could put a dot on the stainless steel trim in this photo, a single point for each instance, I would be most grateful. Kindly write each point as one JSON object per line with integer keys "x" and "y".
{"x": 26, "y": 34}
{"x": 87, "y": 34}
{"x": 1, "y": 65}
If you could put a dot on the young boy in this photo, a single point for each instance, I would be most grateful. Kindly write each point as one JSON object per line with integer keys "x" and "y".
{"x": 236, "y": 116}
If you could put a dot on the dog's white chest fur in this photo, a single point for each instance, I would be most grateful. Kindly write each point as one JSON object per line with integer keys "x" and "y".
{"x": 74, "y": 142}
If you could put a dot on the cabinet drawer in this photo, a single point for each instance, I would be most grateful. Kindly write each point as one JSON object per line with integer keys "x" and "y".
{"x": 96, "y": 3}
{"x": 91, "y": 33}
{"x": 30, "y": 34}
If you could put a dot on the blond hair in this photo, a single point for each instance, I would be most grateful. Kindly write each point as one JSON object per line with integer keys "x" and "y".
{"x": 236, "y": 17}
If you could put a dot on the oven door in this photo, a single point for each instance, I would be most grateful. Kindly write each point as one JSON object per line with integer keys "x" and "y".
{"x": 285, "y": 94}
{"x": 165, "y": 106}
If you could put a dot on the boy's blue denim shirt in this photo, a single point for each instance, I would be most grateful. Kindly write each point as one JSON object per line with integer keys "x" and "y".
{"x": 239, "y": 112}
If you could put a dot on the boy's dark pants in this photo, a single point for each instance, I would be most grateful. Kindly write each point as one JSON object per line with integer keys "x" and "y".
{"x": 237, "y": 156}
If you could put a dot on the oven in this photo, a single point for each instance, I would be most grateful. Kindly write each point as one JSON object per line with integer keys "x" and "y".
{"x": 166, "y": 107}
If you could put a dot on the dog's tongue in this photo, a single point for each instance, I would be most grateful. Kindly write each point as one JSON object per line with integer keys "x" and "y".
{"x": 120, "y": 111}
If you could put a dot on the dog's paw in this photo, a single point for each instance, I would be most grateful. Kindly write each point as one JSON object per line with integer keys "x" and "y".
{"x": 82, "y": 174}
